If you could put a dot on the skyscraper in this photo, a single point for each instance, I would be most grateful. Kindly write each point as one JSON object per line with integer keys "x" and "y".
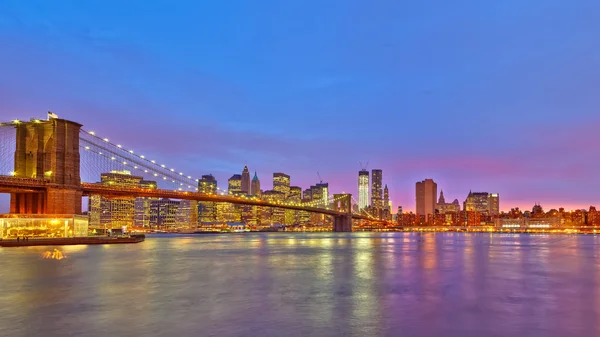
{"x": 234, "y": 184}
{"x": 255, "y": 185}
{"x": 386, "y": 197}
{"x": 494, "y": 203}
{"x": 376, "y": 191}
{"x": 207, "y": 210}
{"x": 325, "y": 191}
{"x": 363, "y": 189}
{"x": 208, "y": 184}
{"x": 163, "y": 213}
{"x": 483, "y": 202}
{"x": 113, "y": 213}
{"x": 142, "y": 205}
{"x": 281, "y": 183}
{"x": 426, "y": 193}
{"x": 245, "y": 188}
{"x": 386, "y": 208}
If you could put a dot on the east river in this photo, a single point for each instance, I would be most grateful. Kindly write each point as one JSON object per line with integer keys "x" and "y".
{"x": 314, "y": 284}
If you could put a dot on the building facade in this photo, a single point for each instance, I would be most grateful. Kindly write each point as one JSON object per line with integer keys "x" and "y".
{"x": 363, "y": 189}
{"x": 376, "y": 190}
{"x": 426, "y": 193}
{"x": 207, "y": 210}
{"x": 142, "y": 205}
{"x": 114, "y": 213}
{"x": 255, "y": 186}
{"x": 281, "y": 183}
{"x": 245, "y": 183}
{"x": 442, "y": 207}
{"x": 234, "y": 184}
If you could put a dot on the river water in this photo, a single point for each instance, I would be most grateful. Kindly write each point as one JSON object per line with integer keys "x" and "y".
{"x": 321, "y": 284}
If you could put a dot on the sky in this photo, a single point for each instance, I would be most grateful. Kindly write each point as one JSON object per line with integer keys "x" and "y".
{"x": 500, "y": 96}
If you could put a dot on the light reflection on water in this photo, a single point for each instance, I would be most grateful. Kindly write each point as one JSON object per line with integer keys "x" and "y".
{"x": 317, "y": 284}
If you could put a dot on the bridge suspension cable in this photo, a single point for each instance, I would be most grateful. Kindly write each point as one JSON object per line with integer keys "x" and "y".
{"x": 128, "y": 159}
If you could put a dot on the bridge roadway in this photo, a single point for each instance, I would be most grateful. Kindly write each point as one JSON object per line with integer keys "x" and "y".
{"x": 10, "y": 184}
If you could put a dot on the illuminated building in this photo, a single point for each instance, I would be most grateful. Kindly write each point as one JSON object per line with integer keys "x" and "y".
{"x": 273, "y": 215}
{"x": 207, "y": 210}
{"x": 245, "y": 183}
{"x": 250, "y": 215}
{"x": 376, "y": 191}
{"x": 163, "y": 213}
{"x": 43, "y": 226}
{"x": 325, "y": 191}
{"x": 227, "y": 212}
{"x": 113, "y": 213}
{"x": 426, "y": 193}
{"x": 319, "y": 198}
{"x": 187, "y": 214}
{"x": 387, "y": 210}
{"x": 281, "y": 183}
{"x": 494, "y": 203}
{"x": 234, "y": 184}
{"x": 442, "y": 207}
{"x": 231, "y": 212}
{"x": 255, "y": 185}
{"x": 363, "y": 189}
{"x": 483, "y": 202}
{"x": 142, "y": 205}
{"x": 295, "y": 196}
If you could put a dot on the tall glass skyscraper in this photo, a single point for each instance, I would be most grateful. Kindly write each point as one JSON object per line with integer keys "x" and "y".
{"x": 377, "y": 189}
{"x": 363, "y": 189}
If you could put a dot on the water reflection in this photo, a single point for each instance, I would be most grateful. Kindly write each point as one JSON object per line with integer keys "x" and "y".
{"x": 319, "y": 284}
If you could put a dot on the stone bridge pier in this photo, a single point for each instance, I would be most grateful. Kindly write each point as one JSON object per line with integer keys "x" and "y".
{"x": 342, "y": 203}
{"x": 48, "y": 150}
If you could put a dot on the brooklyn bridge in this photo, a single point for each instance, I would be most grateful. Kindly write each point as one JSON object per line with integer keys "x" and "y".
{"x": 49, "y": 158}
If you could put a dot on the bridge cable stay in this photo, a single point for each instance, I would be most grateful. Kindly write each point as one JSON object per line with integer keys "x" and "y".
{"x": 363, "y": 211}
{"x": 97, "y": 151}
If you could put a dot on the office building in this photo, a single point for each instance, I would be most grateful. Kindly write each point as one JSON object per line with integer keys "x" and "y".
{"x": 255, "y": 186}
{"x": 386, "y": 211}
{"x": 273, "y": 215}
{"x": 483, "y": 202}
{"x": 363, "y": 189}
{"x": 281, "y": 183}
{"x": 325, "y": 193}
{"x": 234, "y": 184}
{"x": 207, "y": 210}
{"x": 442, "y": 207}
{"x": 163, "y": 213}
{"x": 376, "y": 190}
{"x": 113, "y": 213}
{"x": 245, "y": 183}
{"x": 142, "y": 205}
{"x": 426, "y": 193}
{"x": 494, "y": 204}
{"x": 292, "y": 216}
{"x": 186, "y": 216}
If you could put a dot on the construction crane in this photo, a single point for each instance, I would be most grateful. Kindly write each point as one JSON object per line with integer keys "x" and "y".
{"x": 364, "y": 168}
{"x": 320, "y": 180}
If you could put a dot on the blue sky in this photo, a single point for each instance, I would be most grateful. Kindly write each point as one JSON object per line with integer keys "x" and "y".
{"x": 489, "y": 96}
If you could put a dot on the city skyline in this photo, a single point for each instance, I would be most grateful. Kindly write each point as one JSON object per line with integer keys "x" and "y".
{"x": 494, "y": 123}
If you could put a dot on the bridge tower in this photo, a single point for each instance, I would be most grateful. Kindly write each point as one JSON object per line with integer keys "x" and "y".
{"x": 342, "y": 203}
{"x": 48, "y": 150}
